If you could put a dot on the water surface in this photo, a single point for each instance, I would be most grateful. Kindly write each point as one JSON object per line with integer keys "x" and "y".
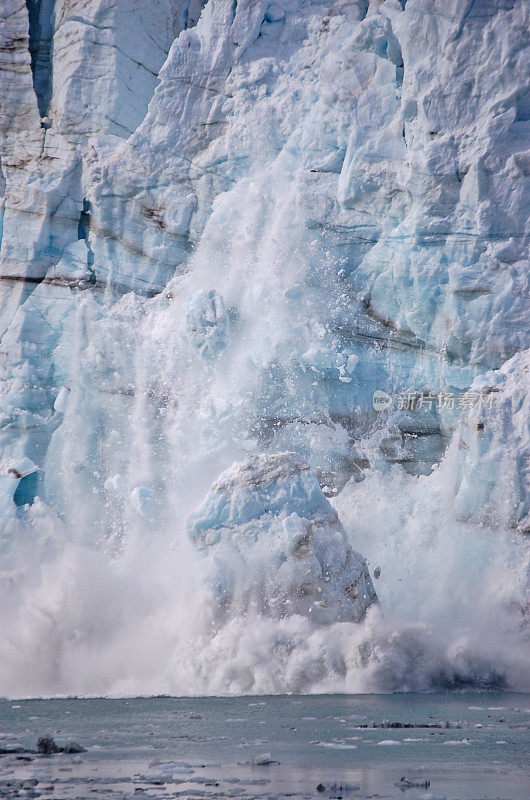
{"x": 469, "y": 745}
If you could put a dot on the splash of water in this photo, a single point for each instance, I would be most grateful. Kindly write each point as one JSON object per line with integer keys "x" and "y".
{"x": 312, "y": 283}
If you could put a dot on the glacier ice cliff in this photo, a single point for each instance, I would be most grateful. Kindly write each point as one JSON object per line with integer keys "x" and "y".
{"x": 224, "y": 226}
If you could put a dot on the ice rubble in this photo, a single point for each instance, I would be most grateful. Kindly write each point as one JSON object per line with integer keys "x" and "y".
{"x": 276, "y": 546}
{"x": 223, "y": 228}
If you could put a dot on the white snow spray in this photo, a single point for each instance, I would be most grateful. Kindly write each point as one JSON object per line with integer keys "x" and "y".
{"x": 333, "y": 238}
{"x": 106, "y": 594}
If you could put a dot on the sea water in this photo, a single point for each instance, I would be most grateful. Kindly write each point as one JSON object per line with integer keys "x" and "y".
{"x": 460, "y": 746}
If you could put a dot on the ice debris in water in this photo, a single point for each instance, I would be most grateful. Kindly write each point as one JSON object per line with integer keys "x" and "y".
{"x": 413, "y": 783}
{"x": 275, "y": 545}
{"x": 335, "y": 789}
{"x": 46, "y": 746}
{"x": 263, "y": 760}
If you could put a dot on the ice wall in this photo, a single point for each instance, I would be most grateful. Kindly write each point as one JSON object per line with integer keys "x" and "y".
{"x": 223, "y": 228}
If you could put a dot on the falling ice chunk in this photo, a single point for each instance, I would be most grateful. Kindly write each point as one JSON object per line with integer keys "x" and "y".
{"x": 205, "y": 323}
{"x": 142, "y": 500}
{"x": 272, "y": 540}
{"x": 61, "y": 401}
{"x": 294, "y": 292}
{"x": 115, "y": 485}
{"x": 274, "y": 13}
{"x": 352, "y": 362}
{"x": 22, "y": 467}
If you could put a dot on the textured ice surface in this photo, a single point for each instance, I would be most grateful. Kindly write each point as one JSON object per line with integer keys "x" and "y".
{"x": 206, "y": 325}
{"x": 276, "y": 546}
{"x": 222, "y": 228}
{"x": 494, "y": 446}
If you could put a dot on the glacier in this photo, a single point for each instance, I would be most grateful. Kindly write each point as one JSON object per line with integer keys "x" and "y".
{"x": 223, "y": 227}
